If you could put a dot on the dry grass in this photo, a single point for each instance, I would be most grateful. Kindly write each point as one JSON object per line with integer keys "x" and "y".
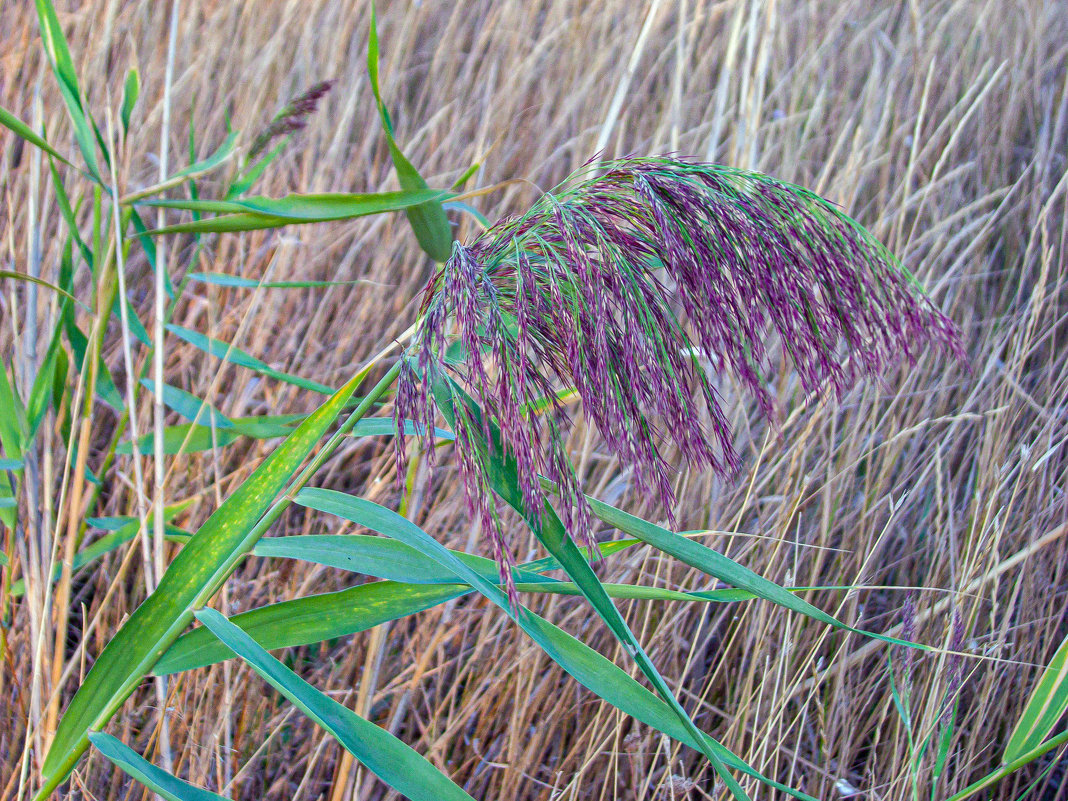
{"x": 942, "y": 125}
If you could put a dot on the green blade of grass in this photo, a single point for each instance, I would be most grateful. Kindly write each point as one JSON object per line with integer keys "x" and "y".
{"x": 723, "y": 568}
{"x": 428, "y": 220}
{"x": 390, "y": 559}
{"x": 131, "y": 90}
{"x": 154, "y": 778}
{"x": 380, "y": 557}
{"x": 224, "y": 151}
{"x": 391, "y": 760}
{"x": 237, "y": 281}
{"x": 309, "y": 620}
{"x": 587, "y": 666}
{"x": 19, "y": 128}
{"x": 189, "y": 406}
{"x": 192, "y": 578}
{"x": 298, "y": 208}
{"x": 55, "y": 44}
{"x": 227, "y": 352}
{"x": 1044, "y": 709}
{"x": 197, "y": 438}
{"x": 503, "y": 478}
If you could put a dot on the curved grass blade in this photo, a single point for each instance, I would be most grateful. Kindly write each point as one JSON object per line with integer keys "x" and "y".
{"x": 225, "y": 150}
{"x": 19, "y": 128}
{"x": 1045, "y": 707}
{"x": 298, "y": 208}
{"x": 131, "y": 90}
{"x": 227, "y": 352}
{"x": 587, "y": 666}
{"x": 428, "y": 220}
{"x": 311, "y": 619}
{"x": 502, "y": 477}
{"x": 723, "y": 568}
{"x": 192, "y": 578}
{"x": 137, "y": 767}
{"x": 197, "y": 438}
{"x": 237, "y": 281}
{"x": 192, "y": 408}
{"x": 40, "y": 282}
{"x": 55, "y": 44}
{"x": 394, "y": 762}
{"x": 380, "y": 557}
{"x": 385, "y": 558}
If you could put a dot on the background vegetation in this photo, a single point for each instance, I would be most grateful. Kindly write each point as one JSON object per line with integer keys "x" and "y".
{"x": 943, "y": 126}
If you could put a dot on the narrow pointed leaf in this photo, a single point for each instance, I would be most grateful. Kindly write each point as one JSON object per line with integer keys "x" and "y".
{"x": 154, "y": 778}
{"x": 192, "y": 578}
{"x": 131, "y": 90}
{"x": 19, "y": 128}
{"x": 503, "y": 478}
{"x": 227, "y": 352}
{"x": 428, "y": 220}
{"x": 1044, "y": 709}
{"x": 391, "y": 760}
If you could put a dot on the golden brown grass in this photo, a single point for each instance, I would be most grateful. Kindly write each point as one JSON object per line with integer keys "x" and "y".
{"x": 942, "y": 125}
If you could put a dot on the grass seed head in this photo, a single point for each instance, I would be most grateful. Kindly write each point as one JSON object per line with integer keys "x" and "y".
{"x": 637, "y": 283}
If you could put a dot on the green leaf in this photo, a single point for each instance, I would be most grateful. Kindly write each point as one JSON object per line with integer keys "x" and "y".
{"x": 55, "y": 44}
{"x": 17, "y": 276}
{"x": 197, "y": 438}
{"x": 11, "y": 464}
{"x": 310, "y": 620}
{"x": 223, "y": 279}
{"x": 131, "y": 89}
{"x": 502, "y": 477}
{"x": 250, "y": 175}
{"x": 189, "y": 406}
{"x": 192, "y": 578}
{"x": 137, "y": 767}
{"x": 19, "y": 128}
{"x": 13, "y": 425}
{"x": 587, "y": 666}
{"x": 389, "y": 559}
{"x": 41, "y": 391}
{"x": 227, "y": 352}
{"x": 224, "y": 152}
{"x": 105, "y": 384}
{"x": 1044, "y": 709}
{"x": 256, "y": 213}
{"x": 379, "y": 557}
{"x": 428, "y": 220}
{"x": 137, "y": 328}
{"x": 723, "y": 568}
{"x": 392, "y": 761}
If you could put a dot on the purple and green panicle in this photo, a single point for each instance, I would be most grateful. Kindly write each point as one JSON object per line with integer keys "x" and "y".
{"x": 636, "y": 284}
{"x": 291, "y": 118}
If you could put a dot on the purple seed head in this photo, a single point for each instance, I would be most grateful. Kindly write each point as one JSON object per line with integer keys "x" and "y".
{"x": 954, "y": 665}
{"x": 638, "y": 283}
{"x": 291, "y": 118}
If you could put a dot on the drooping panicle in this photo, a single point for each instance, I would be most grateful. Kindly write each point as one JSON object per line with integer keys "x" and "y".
{"x": 639, "y": 283}
{"x": 291, "y": 118}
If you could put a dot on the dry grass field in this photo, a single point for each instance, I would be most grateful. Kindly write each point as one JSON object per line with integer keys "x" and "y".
{"x": 942, "y": 125}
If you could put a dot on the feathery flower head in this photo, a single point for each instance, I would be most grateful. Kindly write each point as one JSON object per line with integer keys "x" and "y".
{"x": 291, "y": 118}
{"x": 635, "y": 283}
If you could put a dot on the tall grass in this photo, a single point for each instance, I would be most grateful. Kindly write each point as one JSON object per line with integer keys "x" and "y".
{"x": 941, "y": 126}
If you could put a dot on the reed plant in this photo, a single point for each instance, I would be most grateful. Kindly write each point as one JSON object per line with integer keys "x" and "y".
{"x": 629, "y": 299}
